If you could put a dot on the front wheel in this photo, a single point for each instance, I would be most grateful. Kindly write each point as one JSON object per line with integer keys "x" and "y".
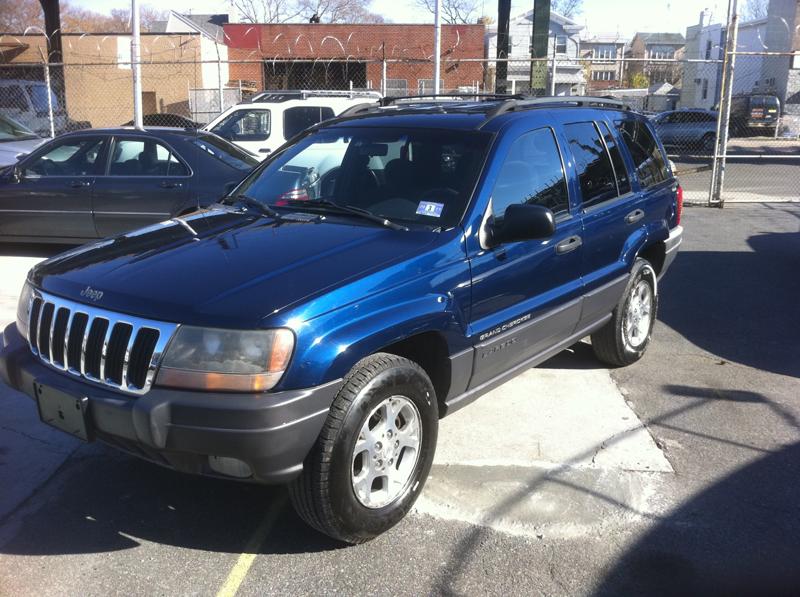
{"x": 374, "y": 453}
{"x": 624, "y": 339}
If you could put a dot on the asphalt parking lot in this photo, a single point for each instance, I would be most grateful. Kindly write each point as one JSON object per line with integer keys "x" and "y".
{"x": 680, "y": 474}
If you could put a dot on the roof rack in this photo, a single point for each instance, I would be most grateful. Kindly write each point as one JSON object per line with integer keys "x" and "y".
{"x": 389, "y": 100}
{"x": 513, "y": 105}
{"x": 287, "y": 94}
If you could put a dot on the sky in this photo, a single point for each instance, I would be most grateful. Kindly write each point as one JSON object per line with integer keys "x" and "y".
{"x": 598, "y": 16}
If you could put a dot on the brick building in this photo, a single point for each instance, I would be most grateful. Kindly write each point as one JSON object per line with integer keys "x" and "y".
{"x": 343, "y": 56}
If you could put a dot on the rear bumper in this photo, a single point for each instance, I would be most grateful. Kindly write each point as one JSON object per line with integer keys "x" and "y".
{"x": 672, "y": 244}
{"x": 271, "y": 432}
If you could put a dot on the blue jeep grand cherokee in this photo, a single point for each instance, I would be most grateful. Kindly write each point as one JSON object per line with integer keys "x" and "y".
{"x": 380, "y": 271}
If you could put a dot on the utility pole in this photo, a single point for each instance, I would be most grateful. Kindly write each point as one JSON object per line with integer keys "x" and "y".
{"x": 724, "y": 116}
{"x": 503, "y": 18}
{"x": 437, "y": 46}
{"x": 136, "y": 67}
{"x": 540, "y": 37}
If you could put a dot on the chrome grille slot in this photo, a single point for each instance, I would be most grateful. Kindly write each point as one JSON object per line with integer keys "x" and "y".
{"x": 108, "y": 348}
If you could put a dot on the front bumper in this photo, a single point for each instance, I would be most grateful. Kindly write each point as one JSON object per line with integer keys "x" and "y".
{"x": 672, "y": 244}
{"x": 271, "y": 432}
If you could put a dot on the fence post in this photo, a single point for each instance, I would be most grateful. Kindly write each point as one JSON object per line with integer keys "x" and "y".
{"x": 219, "y": 80}
{"x": 383, "y": 77}
{"x": 49, "y": 99}
{"x": 724, "y": 115}
{"x": 553, "y": 75}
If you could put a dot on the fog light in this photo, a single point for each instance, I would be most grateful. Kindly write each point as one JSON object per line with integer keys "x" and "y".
{"x": 232, "y": 467}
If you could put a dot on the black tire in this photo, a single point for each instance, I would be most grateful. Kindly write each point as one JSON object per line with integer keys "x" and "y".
{"x": 611, "y": 343}
{"x": 323, "y": 495}
{"x": 707, "y": 144}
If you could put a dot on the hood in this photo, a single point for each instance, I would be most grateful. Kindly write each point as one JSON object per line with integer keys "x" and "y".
{"x": 10, "y": 151}
{"x": 225, "y": 268}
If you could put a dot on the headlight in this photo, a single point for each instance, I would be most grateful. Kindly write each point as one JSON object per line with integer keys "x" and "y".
{"x": 227, "y": 360}
{"x": 24, "y": 310}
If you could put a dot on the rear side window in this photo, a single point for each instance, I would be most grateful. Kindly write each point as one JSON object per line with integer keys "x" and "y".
{"x": 592, "y": 163}
{"x": 651, "y": 167}
{"x": 532, "y": 173}
{"x": 620, "y": 171}
{"x": 298, "y": 119}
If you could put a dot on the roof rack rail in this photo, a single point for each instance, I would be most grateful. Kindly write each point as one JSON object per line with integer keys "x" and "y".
{"x": 515, "y": 104}
{"x": 306, "y": 93}
{"x": 391, "y": 99}
{"x": 359, "y": 109}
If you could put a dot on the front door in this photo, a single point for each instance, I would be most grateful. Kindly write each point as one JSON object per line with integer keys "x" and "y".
{"x": 146, "y": 182}
{"x": 53, "y": 196}
{"x": 526, "y": 296}
{"x": 251, "y": 129}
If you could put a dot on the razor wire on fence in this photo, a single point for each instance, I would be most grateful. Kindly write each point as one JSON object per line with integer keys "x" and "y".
{"x": 680, "y": 96}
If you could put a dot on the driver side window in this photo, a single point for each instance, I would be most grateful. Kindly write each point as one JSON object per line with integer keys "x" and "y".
{"x": 532, "y": 173}
{"x": 244, "y": 125}
{"x": 72, "y": 157}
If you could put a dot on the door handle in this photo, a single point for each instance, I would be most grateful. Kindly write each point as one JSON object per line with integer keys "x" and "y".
{"x": 166, "y": 184}
{"x": 569, "y": 244}
{"x": 634, "y": 216}
{"x": 77, "y": 184}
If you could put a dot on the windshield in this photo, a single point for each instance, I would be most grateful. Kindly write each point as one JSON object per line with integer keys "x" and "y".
{"x": 224, "y": 151}
{"x": 413, "y": 176}
{"x": 14, "y": 131}
{"x": 38, "y": 95}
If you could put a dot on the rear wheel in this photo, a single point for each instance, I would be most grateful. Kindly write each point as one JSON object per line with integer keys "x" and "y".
{"x": 374, "y": 453}
{"x": 707, "y": 144}
{"x": 624, "y": 339}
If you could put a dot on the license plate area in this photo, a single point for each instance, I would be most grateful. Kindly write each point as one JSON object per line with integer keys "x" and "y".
{"x": 63, "y": 411}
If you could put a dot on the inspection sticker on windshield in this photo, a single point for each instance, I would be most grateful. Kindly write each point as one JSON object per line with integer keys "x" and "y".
{"x": 428, "y": 208}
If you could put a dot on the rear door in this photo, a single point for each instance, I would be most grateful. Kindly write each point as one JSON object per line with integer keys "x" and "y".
{"x": 610, "y": 214}
{"x": 54, "y": 195}
{"x": 145, "y": 182}
{"x": 526, "y": 295}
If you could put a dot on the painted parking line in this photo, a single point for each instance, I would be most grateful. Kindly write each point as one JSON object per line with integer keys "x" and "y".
{"x": 242, "y": 566}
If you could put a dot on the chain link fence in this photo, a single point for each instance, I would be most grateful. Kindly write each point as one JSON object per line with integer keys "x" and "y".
{"x": 681, "y": 96}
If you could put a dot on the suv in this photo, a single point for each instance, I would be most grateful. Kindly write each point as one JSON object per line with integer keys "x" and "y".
{"x": 269, "y": 119}
{"x": 320, "y": 320}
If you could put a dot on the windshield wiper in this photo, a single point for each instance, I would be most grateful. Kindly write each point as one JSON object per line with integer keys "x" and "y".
{"x": 253, "y": 204}
{"x": 347, "y": 209}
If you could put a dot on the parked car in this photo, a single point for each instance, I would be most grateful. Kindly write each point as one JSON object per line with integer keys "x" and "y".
{"x": 692, "y": 129}
{"x": 167, "y": 120}
{"x": 269, "y": 119}
{"x": 317, "y": 342}
{"x": 16, "y": 141}
{"x": 26, "y": 102}
{"x": 96, "y": 183}
{"x": 755, "y": 113}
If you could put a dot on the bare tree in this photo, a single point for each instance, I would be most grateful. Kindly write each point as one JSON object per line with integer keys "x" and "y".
{"x": 18, "y": 15}
{"x": 339, "y": 11}
{"x": 267, "y": 11}
{"x": 453, "y": 12}
{"x": 148, "y": 17}
{"x": 753, "y": 10}
{"x": 566, "y": 8}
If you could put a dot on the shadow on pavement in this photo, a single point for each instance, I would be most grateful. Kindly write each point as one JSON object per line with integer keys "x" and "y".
{"x": 741, "y": 536}
{"x": 105, "y": 501}
{"x": 739, "y": 306}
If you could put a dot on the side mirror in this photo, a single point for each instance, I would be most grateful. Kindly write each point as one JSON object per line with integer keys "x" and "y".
{"x": 522, "y": 222}
{"x": 17, "y": 175}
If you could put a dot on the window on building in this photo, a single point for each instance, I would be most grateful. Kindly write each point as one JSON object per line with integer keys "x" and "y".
{"x": 604, "y": 52}
{"x": 561, "y": 44}
{"x": 708, "y": 49}
{"x": 592, "y": 163}
{"x": 662, "y": 52}
{"x": 705, "y": 89}
{"x": 603, "y": 75}
{"x": 396, "y": 87}
{"x": 651, "y": 167}
{"x": 533, "y": 174}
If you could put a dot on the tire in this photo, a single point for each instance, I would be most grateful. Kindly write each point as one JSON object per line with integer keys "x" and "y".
{"x": 625, "y": 338}
{"x": 325, "y": 495}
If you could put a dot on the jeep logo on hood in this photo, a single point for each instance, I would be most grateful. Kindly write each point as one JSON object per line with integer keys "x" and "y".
{"x": 92, "y": 294}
